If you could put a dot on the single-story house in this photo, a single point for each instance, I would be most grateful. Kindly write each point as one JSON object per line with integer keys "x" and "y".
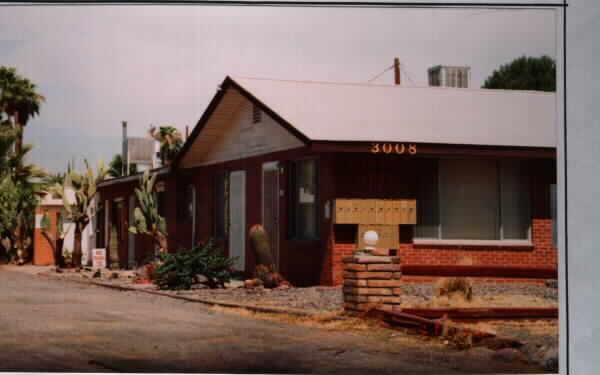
{"x": 478, "y": 163}
{"x": 43, "y": 253}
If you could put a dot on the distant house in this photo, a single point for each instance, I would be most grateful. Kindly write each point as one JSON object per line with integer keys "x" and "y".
{"x": 43, "y": 253}
{"x": 479, "y": 163}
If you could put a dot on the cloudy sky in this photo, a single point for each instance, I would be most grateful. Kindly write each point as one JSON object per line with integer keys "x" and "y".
{"x": 161, "y": 65}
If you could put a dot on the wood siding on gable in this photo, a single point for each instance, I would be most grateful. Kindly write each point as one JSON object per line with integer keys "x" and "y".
{"x": 237, "y": 137}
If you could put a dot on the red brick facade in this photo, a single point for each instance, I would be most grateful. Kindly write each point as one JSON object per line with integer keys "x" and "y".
{"x": 541, "y": 254}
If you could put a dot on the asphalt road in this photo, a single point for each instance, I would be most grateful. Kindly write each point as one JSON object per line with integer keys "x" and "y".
{"x": 56, "y": 325}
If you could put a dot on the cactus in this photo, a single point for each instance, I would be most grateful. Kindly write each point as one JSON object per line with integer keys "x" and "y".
{"x": 147, "y": 219}
{"x": 262, "y": 247}
{"x": 265, "y": 266}
{"x": 79, "y": 212}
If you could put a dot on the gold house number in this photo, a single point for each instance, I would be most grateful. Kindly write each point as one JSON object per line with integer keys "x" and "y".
{"x": 398, "y": 148}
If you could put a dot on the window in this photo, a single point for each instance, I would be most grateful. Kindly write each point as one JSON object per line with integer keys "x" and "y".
{"x": 185, "y": 203}
{"x": 303, "y": 195}
{"x": 100, "y": 225}
{"x": 221, "y": 207}
{"x": 473, "y": 200}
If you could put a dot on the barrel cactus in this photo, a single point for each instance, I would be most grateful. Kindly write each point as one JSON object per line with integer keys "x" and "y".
{"x": 259, "y": 239}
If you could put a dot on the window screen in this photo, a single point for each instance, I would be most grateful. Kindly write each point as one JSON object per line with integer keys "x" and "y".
{"x": 514, "y": 195}
{"x": 303, "y": 216}
{"x": 469, "y": 196}
{"x": 473, "y": 200}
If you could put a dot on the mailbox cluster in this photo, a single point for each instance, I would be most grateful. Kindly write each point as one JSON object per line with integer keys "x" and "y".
{"x": 375, "y": 211}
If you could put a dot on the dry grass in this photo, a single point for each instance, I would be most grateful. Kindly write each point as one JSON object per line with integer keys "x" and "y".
{"x": 459, "y": 300}
{"x": 339, "y": 322}
{"x": 537, "y": 327}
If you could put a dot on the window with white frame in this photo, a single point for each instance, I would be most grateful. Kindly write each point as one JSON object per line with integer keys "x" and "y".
{"x": 473, "y": 200}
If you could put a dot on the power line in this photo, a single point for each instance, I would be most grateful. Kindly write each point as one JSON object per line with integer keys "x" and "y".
{"x": 403, "y": 68}
{"x": 379, "y": 75}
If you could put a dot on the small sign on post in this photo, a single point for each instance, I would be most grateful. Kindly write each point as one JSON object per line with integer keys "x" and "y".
{"x": 99, "y": 258}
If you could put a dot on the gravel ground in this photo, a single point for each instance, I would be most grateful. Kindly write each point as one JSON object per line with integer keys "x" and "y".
{"x": 329, "y": 299}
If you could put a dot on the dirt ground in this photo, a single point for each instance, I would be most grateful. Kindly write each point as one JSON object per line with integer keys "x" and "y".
{"x": 539, "y": 338}
{"x": 59, "y": 325}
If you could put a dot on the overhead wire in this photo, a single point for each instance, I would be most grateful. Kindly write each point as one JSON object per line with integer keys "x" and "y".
{"x": 379, "y": 74}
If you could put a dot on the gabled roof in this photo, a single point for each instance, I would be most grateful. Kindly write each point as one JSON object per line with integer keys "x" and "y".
{"x": 348, "y": 112}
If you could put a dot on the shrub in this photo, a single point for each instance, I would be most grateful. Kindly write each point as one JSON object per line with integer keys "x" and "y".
{"x": 183, "y": 269}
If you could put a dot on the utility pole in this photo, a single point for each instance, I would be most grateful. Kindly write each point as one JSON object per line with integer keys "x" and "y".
{"x": 125, "y": 151}
{"x": 396, "y": 71}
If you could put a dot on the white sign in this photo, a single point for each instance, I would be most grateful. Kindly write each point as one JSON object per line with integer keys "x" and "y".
{"x": 99, "y": 258}
{"x": 38, "y": 220}
{"x": 305, "y": 196}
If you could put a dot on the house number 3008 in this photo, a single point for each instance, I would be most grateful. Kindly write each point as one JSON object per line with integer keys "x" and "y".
{"x": 398, "y": 148}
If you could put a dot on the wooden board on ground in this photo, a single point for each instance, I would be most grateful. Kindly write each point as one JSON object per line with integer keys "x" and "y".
{"x": 389, "y": 235}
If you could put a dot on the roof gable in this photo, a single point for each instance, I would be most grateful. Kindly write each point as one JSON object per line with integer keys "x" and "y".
{"x": 229, "y": 132}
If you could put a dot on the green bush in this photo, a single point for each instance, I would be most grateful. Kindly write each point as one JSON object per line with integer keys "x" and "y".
{"x": 183, "y": 269}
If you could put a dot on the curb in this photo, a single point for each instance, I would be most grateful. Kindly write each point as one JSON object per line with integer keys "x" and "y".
{"x": 210, "y": 302}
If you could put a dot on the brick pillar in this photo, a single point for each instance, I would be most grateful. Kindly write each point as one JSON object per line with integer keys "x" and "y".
{"x": 372, "y": 281}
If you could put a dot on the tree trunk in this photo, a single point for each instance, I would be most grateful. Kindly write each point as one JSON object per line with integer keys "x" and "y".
{"x": 20, "y": 242}
{"x": 77, "y": 254}
{"x": 19, "y": 137}
{"x": 60, "y": 259}
{"x": 161, "y": 241}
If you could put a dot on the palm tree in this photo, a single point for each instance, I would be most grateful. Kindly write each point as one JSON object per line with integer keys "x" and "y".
{"x": 19, "y": 195}
{"x": 170, "y": 140}
{"x": 115, "y": 167}
{"x": 7, "y": 140}
{"x": 19, "y": 101}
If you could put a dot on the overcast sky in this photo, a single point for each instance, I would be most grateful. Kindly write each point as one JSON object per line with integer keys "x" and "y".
{"x": 161, "y": 65}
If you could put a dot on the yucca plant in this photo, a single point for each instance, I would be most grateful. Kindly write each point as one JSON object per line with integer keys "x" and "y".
{"x": 55, "y": 239}
{"x": 147, "y": 219}
{"x": 78, "y": 210}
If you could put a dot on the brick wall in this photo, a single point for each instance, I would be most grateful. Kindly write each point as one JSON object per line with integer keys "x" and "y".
{"x": 542, "y": 254}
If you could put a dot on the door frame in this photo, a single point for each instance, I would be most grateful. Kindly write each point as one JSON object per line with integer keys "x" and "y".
{"x": 272, "y": 165}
